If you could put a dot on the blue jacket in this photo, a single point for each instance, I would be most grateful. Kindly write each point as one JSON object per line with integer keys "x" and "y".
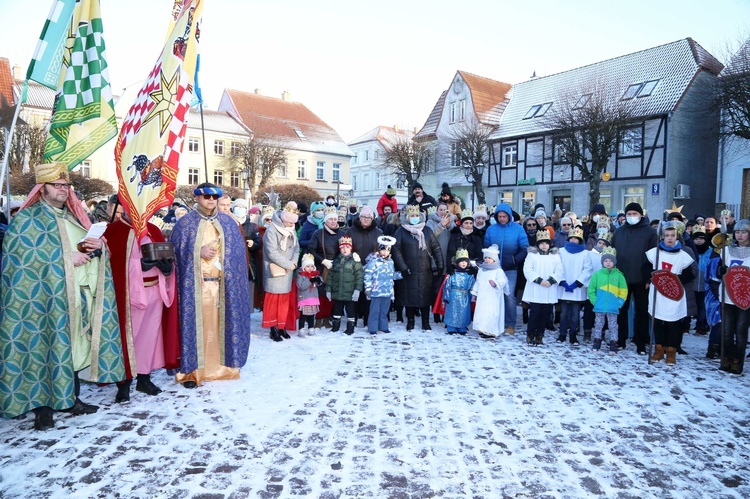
{"x": 510, "y": 238}
{"x": 379, "y": 276}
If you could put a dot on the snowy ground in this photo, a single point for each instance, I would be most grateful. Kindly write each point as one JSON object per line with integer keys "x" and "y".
{"x": 404, "y": 415}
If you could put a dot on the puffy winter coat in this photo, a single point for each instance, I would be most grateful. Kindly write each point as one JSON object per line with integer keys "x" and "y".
{"x": 380, "y": 274}
{"x": 510, "y": 238}
{"x": 607, "y": 290}
{"x": 344, "y": 278}
{"x": 324, "y": 245}
{"x": 387, "y": 201}
{"x": 415, "y": 289}
{"x": 471, "y": 243}
{"x": 309, "y": 228}
{"x": 427, "y": 202}
{"x": 364, "y": 240}
{"x": 632, "y": 242}
{"x": 547, "y": 267}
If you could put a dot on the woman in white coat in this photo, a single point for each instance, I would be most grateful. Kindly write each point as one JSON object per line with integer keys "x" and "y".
{"x": 491, "y": 284}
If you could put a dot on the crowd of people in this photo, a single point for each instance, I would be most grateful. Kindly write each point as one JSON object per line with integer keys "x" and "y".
{"x": 113, "y": 308}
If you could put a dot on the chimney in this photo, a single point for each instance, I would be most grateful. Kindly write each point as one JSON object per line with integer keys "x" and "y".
{"x": 396, "y": 127}
{"x": 286, "y": 96}
{"x": 17, "y": 74}
{"x": 258, "y": 91}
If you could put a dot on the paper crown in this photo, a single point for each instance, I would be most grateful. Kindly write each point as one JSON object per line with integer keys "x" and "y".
{"x": 307, "y": 259}
{"x": 331, "y": 212}
{"x": 268, "y": 211}
{"x": 604, "y": 235}
{"x": 481, "y": 211}
{"x": 51, "y": 172}
{"x": 345, "y": 241}
{"x": 462, "y": 254}
{"x": 609, "y": 250}
{"x": 386, "y": 241}
{"x": 431, "y": 210}
{"x": 576, "y": 232}
{"x": 352, "y": 202}
{"x": 467, "y": 215}
{"x": 390, "y": 191}
{"x": 699, "y": 229}
{"x": 602, "y": 224}
{"x": 412, "y": 210}
{"x": 291, "y": 207}
{"x": 542, "y": 236}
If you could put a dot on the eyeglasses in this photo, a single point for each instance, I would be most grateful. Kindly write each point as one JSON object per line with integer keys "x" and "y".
{"x": 365, "y": 217}
{"x": 58, "y": 185}
{"x": 532, "y": 226}
{"x": 210, "y": 196}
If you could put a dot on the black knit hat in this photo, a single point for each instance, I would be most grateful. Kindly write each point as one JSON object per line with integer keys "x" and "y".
{"x": 446, "y": 190}
{"x": 634, "y": 207}
{"x": 416, "y": 185}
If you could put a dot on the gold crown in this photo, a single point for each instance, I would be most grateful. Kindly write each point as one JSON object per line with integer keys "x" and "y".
{"x": 291, "y": 207}
{"x": 605, "y": 235}
{"x": 462, "y": 253}
{"x": 331, "y": 210}
{"x": 268, "y": 210}
{"x": 699, "y": 229}
{"x": 609, "y": 250}
{"x": 467, "y": 214}
{"x": 412, "y": 209}
{"x": 543, "y": 235}
{"x": 51, "y": 172}
{"x": 345, "y": 241}
{"x": 352, "y": 202}
{"x": 482, "y": 208}
{"x": 576, "y": 232}
{"x": 431, "y": 210}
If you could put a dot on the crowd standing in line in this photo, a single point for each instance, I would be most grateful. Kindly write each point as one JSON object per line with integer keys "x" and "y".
{"x": 115, "y": 309}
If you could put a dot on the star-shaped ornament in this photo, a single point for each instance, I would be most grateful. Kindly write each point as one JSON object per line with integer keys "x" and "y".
{"x": 166, "y": 100}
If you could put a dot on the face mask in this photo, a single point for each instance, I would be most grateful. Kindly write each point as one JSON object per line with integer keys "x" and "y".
{"x": 415, "y": 220}
{"x": 318, "y": 214}
{"x": 633, "y": 220}
{"x": 240, "y": 212}
{"x": 596, "y": 218}
{"x": 330, "y": 202}
{"x": 353, "y": 209}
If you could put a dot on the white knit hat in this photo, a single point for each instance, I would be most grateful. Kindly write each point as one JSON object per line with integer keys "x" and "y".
{"x": 492, "y": 252}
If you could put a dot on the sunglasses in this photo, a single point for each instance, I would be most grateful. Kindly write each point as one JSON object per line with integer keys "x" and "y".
{"x": 532, "y": 226}
{"x": 210, "y": 196}
{"x": 565, "y": 225}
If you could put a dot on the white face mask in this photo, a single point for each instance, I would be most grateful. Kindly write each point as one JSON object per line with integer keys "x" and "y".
{"x": 596, "y": 218}
{"x": 240, "y": 211}
{"x": 633, "y": 220}
{"x": 415, "y": 220}
{"x": 318, "y": 214}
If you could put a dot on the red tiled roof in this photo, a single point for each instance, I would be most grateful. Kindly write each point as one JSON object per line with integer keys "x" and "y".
{"x": 269, "y": 117}
{"x": 487, "y": 95}
{"x": 6, "y": 82}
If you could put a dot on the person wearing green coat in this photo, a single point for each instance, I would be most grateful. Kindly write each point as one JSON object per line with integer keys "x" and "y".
{"x": 607, "y": 292}
{"x": 344, "y": 284}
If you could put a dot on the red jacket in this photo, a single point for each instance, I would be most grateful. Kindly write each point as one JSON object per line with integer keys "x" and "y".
{"x": 386, "y": 201}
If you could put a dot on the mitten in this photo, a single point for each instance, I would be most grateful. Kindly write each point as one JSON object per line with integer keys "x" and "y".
{"x": 355, "y": 295}
{"x": 327, "y": 263}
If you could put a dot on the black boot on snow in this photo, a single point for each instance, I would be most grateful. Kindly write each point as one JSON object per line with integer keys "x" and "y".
{"x": 336, "y": 325}
{"x": 144, "y": 384}
{"x": 349, "y": 327}
{"x": 123, "y": 391}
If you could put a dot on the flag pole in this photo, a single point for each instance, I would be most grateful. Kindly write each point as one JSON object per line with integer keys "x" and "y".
{"x": 5, "y": 172}
{"x": 203, "y": 135}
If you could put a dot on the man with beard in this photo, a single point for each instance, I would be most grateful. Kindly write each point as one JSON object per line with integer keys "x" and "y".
{"x": 420, "y": 198}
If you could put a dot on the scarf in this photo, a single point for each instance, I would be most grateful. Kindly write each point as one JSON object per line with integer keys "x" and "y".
{"x": 466, "y": 232}
{"x": 287, "y": 234}
{"x": 574, "y": 248}
{"x": 677, "y": 247}
{"x": 490, "y": 266}
{"x": 416, "y": 233}
{"x": 313, "y": 273}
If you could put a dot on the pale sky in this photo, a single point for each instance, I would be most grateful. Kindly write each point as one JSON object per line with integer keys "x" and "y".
{"x": 359, "y": 64}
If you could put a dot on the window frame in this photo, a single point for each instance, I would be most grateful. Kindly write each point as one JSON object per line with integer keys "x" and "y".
{"x": 194, "y": 144}
{"x": 218, "y": 147}
{"x": 504, "y": 154}
{"x": 193, "y": 176}
{"x": 320, "y": 171}
{"x": 302, "y": 168}
{"x": 219, "y": 177}
{"x": 336, "y": 172}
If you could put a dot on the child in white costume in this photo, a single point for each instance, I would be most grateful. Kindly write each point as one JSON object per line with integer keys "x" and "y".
{"x": 543, "y": 270}
{"x": 491, "y": 284}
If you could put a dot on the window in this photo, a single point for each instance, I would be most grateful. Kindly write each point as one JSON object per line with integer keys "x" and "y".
{"x": 377, "y": 155}
{"x": 354, "y": 159}
{"x": 354, "y": 182}
{"x": 366, "y": 182}
{"x": 528, "y": 200}
{"x": 452, "y": 113}
{"x": 367, "y": 155}
{"x": 534, "y": 153}
{"x": 378, "y": 184}
{"x": 193, "y": 145}
{"x": 219, "y": 147}
{"x": 192, "y": 176}
{"x": 234, "y": 179}
{"x": 537, "y": 110}
{"x": 462, "y": 110}
{"x": 648, "y": 88}
{"x": 320, "y": 171}
{"x": 632, "y": 91}
{"x": 560, "y": 153}
{"x": 301, "y": 168}
{"x": 282, "y": 171}
{"x": 336, "y": 172}
{"x": 300, "y": 134}
{"x": 510, "y": 155}
{"x": 427, "y": 162}
{"x": 643, "y": 89}
{"x": 218, "y": 177}
{"x": 506, "y": 197}
{"x": 634, "y": 195}
{"x": 631, "y": 142}
{"x": 582, "y": 101}
{"x": 84, "y": 169}
{"x": 236, "y": 148}
{"x": 605, "y": 198}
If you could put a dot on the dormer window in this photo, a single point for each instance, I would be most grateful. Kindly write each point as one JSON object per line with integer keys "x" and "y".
{"x": 300, "y": 134}
{"x": 582, "y": 101}
{"x": 537, "y": 110}
{"x": 643, "y": 89}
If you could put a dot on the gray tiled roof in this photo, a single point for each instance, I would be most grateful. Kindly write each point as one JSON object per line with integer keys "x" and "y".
{"x": 740, "y": 61}
{"x": 430, "y": 126}
{"x": 674, "y": 65}
{"x": 38, "y": 95}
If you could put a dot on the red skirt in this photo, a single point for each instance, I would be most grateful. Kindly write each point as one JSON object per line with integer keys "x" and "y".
{"x": 280, "y": 310}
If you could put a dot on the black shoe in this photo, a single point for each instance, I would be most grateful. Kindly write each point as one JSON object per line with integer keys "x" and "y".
{"x": 123, "y": 391}
{"x": 529, "y": 338}
{"x": 284, "y": 334}
{"x": 43, "y": 420}
{"x": 574, "y": 339}
{"x": 349, "y": 328}
{"x": 336, "y": 325}
{"x": 274, "y": 335}
{"x": 80, "y": 408}
{"x": 586, "y": 336}
{"x": 539, "y": 339}
{"x": 713, "y": 351}
{"x": 561, "y": 338}
{"x": 145, "y": 385}
{"x": 681, "y": 351}
{"x": 190, "y": 385}
{"x": 640, "y": 349}
{"x": 426, "y": 328}
{"x": 409, "y": 324}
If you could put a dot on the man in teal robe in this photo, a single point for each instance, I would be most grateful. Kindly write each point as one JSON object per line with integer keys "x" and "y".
{"x": 59, "y": 314}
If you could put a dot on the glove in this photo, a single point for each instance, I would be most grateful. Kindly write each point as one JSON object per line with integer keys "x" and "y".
{"x": 327, "y": 264}
{"x": 316, "y": 280}
{"x": 564, "y": 285}
{"x": 493, "y": 283}
{"x": 473, "y": 263}
{"x": 356, "y": 257}
{"x": 328, "y": 295}
{"x": 355, "y": 295}
{"x": 722, "y": 270}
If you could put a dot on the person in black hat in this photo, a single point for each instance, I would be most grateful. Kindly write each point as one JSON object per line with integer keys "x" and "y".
{"x": 421, "y": 198}
{"x": 597, "y": 213}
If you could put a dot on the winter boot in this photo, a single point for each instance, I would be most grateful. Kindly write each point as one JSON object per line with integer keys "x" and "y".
{"x": 561, "y": 337}
{"x": 275, "y": 334}
{"x": 144, "y": 384}
{"x": 302, "y": 332}
{"x": 336, "y": 324}
{"x": 400, "y": 315}
{"x": 573, "y": 338}
{"x": 658, "y": 353}
{"x": 123, "y": 391}
{"x": 43, "y": 418}
{"x": 736, "y": 367}
{"x": 587, "y": 336}
{"x": 436, "y": 318}
{"x": 671, "y": 355}
{"x": 425, "y": 313}
{"x": 713, "y": 351}
{"x": 318, "y": 323}
{"x": 726, "y": 364}
{"x": 529, "y": 338}
{"x": 539, "y": 339}
{"x": 613, "y": 348}
{"x": 327, "y": 322}
{"x": 350, "y": 327}
{"x": 510, "y": 330}
{"x": 284, "y": 334}
{"x": 409, "y": 319}
{"x": 597, "y": 344}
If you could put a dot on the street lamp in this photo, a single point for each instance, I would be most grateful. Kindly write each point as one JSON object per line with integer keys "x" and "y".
{"x": 246, "y": 178}
{"x": 402, "y": 179}
{"x": 469, "y": 174}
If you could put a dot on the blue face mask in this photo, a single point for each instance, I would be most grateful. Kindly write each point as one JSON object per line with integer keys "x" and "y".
{"x": 415, "y": 220}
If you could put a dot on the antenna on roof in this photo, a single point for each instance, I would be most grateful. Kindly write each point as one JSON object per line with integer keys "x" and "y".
{"x": 533, "y": 75}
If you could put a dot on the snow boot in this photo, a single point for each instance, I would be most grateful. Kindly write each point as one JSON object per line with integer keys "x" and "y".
{"x": 597, "y": 344}
{"x": 713, "y": 351}
{"x": 539, "y": 339}
{"x": 318, "y": 323}
{"x": 410, "y": 324}
{"x": 561, "y": 338}
{"x": 123, "y": 391}
{"x": 671, "y": 355}
{"x": 145, "y": 385}
{"x": 284, "y": 334}
{"x": 425, "y": 314}
{"x": 587, "y": 336}
{"x": 349, "y": 327}
{"x": 327, "y": 322}
{"x": 613, "y": 347}
{"x": 336, "y": 325}
{"x": 736, "y": 367}
{"x": 726, "y": 364}
{"x": 574, "y": 338}
{"x": 43, "y": 418}
{"x": 529, "y": 338}
{"x": 303, "y": 331}
{"x": 274, "y": 334}
{"x": 658, "y": 353}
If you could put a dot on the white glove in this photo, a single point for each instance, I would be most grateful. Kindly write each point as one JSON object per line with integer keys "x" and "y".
{"x": 327, "y": 264}
{"x": 250, "y": 243}
{"x": 356, "y": 257}
{"x": 328, "y": 295}
{"x": 472, "y": 263}
{"x": 355, "y": 294}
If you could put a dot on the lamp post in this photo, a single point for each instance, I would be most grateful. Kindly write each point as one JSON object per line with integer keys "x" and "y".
{"x": 246, "y": 179}
{"x": 469, "y": 174}
{"x": 402, "y": 179}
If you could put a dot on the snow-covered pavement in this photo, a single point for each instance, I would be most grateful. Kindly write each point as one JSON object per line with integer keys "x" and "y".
{"x": 404, "y": 415}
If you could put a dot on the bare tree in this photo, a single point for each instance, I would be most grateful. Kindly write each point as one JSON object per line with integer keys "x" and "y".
{"x": 28, "y": 145}
{"x": 469, "y": 145}
{"x": 587, "y": 128}
{"x": 260, "y": 158}
{"x": 407, "y": 157}
{"x": 734, "y": 93}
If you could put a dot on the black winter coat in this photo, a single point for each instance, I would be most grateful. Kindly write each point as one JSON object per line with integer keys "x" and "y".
{"x": 364, "y": 241}
{"x": 472, "y": 243}
{"x": 324, "y": 245}
{"x": 632, "y": 242}
{"x": 415, "y": 289}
